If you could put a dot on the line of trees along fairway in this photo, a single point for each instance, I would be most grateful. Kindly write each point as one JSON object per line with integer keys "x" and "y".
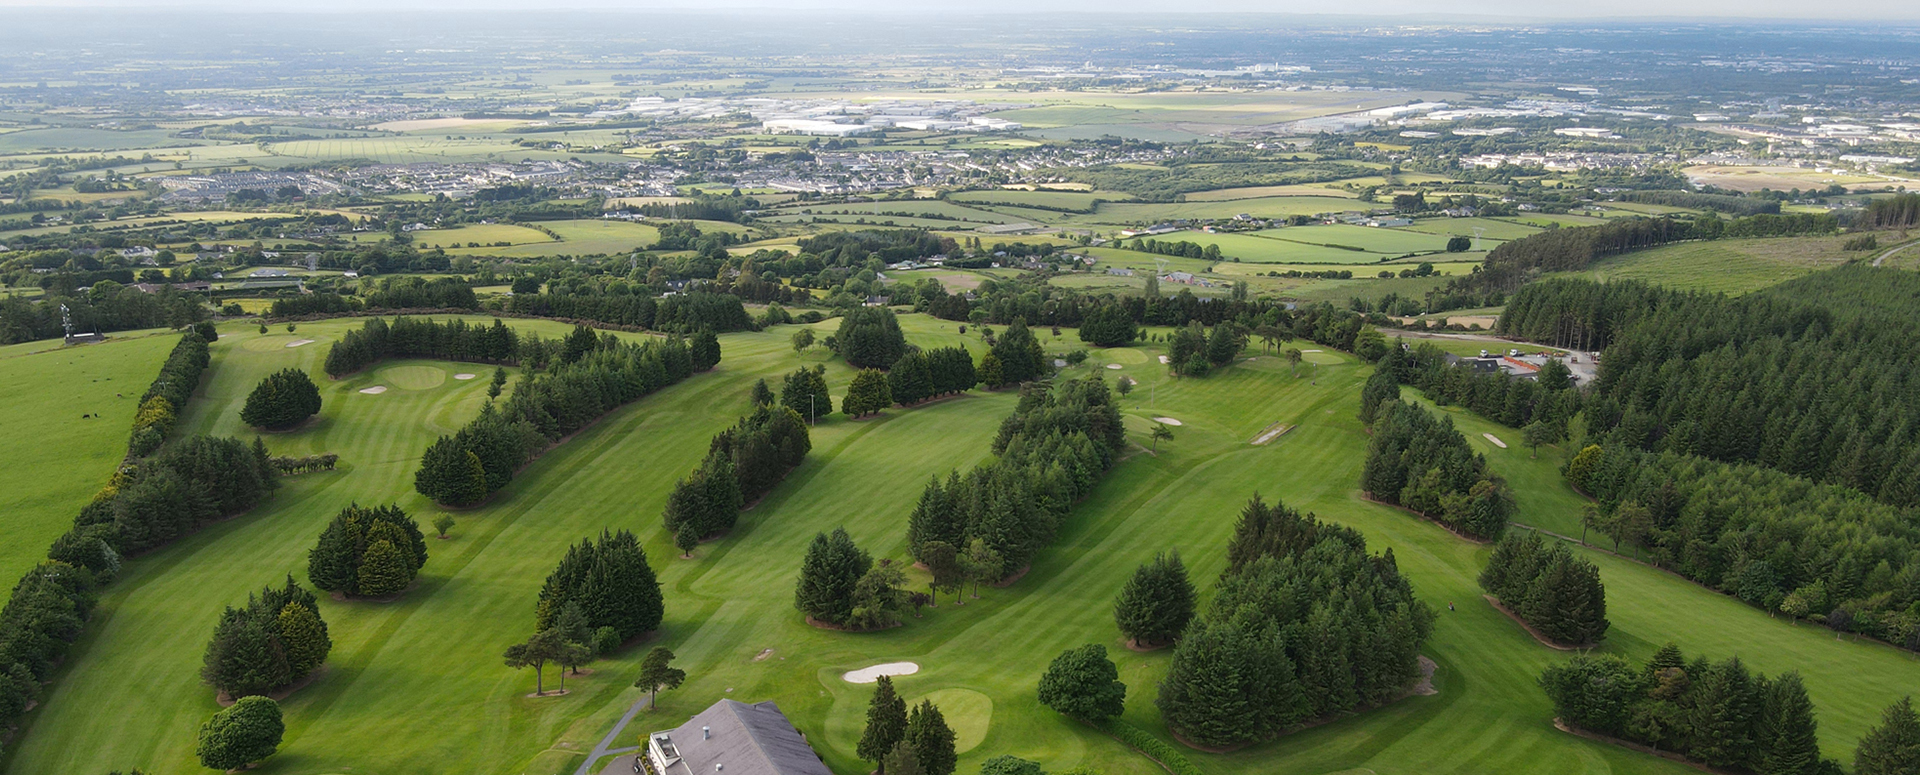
{"x": 1423, "y": 464}
{"x": 453, "y": 340}
{"x": 1765, "y": 378}
{"x": 1304, "y": 625}
{"x": 586, "y": 382}
{"x": 1050, "y": 452}
{"x": 168, "y": 394}
{"x": 1511, "y": 401}
{"x": 272, "y": 642}
{"x": 1715, "y": 713}
{"x": 150, "y": 501}
{"x": 923, "y": 374}
{"x": 367, "y": 551}
{"x": 743, "y": 464}
{"x": 283, "y": 399}
{"x": 1898, "y": 212}
{"x": 106, "y": 307}
{"x": 1777, "y": 542}
{"x": 681, "y": 313}
{"x": 1557, "y": 594}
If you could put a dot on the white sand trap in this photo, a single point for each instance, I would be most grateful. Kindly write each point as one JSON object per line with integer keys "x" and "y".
{"x": 1272, "y": 432}
{"x": 1113, "y": 366}
{"x": 298, "y": 342}
{"x": 1312, "y": 351}
{"x": 464, "y": 376}
{"x": 867, "y": 675}
{"x": 1167, "y": 420}
{"x": 1496, "y": 440}
{"x": 1163, "y": 359}
{"x": 375, "y": 390}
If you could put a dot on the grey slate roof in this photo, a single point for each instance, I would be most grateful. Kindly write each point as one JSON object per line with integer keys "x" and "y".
{"x": 746, "y": 739}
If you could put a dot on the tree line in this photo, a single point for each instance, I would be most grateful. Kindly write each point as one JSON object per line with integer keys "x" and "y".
{"x": 1557, "y": 594}
{"x": 106, "y": 307}
{"x": 923, "y": 374}
{"x": 405, "y": 337}
{"x": 602, "y": 594}
{"x": 1050, "y": 452}
{"x": 167, "y": 394}
{"x": 1304, "y": 625}
{"x": 1515, "y": 263}
{"x": 1895, "y": 212}
{"x": 1715, "y": 713}
{"x": 1780, "y": 543}
{"x": 1419, "y": 463}
{"x": 1497, "y": 396}
{"x": 586, "y": 382}
{"x": 743, "y": 464}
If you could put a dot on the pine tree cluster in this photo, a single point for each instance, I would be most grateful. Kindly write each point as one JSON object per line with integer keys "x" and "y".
{"x": 1055, "y": 446}
{"x": 276, "y": 639}
{"x": 1510, "y": 401}
{"x": 1718, "y": 714}
{"x": 920, "y": 375}
{"x": 190, "y": 483}
{"x": 43, "y": 616}
{"x": 283, "y": 399}
{"x": 805, "y": 392}
{"x": 1019, "y": 356}
{"x": 406, "y": 337}
{"x": 1304, "y": 625}
{"x": 1424, "y": 464}
{"x": 480, "y": 458}
{"x": 610, "y": 581}
{"x": 867, "y": 394}
{"x": 1108, "y": 325}
{"x": 367, "y": 551}
{"x": 1778, "y": 542}
{"x": 1157, "y": 603}
{"x": 869, "y": 338}
{"x": 743, "y": 463}
{"x": 840, "y": 584}
{"x": 1556, "y": 593}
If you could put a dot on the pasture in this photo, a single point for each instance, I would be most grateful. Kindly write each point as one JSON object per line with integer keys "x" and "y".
{"x": 417, "y": 684}
{"x": 1065, "y": 200}
{"x": 1262, "y": 207}
{"x": 582, "y": 237}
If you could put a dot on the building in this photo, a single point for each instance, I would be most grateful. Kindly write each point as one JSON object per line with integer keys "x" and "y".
{"x": 732, "y": 738}
{"x": 812, "y": 126}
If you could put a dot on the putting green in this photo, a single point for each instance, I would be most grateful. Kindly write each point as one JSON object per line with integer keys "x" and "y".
{"x": 414, "y": 377}
{"x": 968, "y": 713}
{"x": 1123, "y": 355}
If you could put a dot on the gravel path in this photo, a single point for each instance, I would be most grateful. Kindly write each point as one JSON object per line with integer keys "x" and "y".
{"x": 606, "y": 743}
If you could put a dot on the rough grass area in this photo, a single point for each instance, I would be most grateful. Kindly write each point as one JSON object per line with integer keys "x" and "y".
{"x": 1732, "y": 266}
{"x": 420, "y": 680}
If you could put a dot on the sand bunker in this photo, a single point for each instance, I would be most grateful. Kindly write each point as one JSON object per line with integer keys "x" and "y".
{"x": 375, "y": 390}
{"x": 1272, "y": 432}
{"x": 1496, "y": 440}
{"x": 867, "y": 675}
{"x": 1167, "y": 420}
{"x": 1113, "y": 366}
{"x": 464, "y": 376}
{"x": 1311, "y": 351}
{"x": 298, "y": 342}
{"x": 1163, "y": 359}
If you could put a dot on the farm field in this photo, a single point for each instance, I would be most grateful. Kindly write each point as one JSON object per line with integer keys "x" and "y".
{"x": 418, "y": 681}
{"x": 55, "y": 460}
{"x": 1263, "y": 207}
{"x": 1733, "y": 266}
{"x": 1315, "y": 244}
{"x": 584, "y": 237}
{"x": 917, "y": 207}
{"x": 1490, "y": 228}
{"x": 1257, "y": 192}
{"x": 459, "y": 236}
{"x": 1071, "y": 200}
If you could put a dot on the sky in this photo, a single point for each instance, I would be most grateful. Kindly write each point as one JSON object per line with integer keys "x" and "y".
{"x": 1410, "y": 10}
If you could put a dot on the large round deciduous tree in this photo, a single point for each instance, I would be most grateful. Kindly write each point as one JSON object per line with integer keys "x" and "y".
{"x": 1083, "y": 683}
{"x": 245, "y": 733}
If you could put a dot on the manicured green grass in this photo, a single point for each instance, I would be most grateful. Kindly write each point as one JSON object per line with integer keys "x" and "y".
{"x": 484, "y": 233}
{"x": 1490, "y": 228}
{"x": 1733, "y": 266}
{"x": 417, "y": 685}
{"x": 53, "y": 461}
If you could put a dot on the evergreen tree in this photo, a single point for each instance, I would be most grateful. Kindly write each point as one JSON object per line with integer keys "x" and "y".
{"x": 333, "y": 563}
{"x": 868, "y": 394}
{"x": 1225, "y": 344}
{"x": 762, "y": 395}
{"x": 933, "y": 519}
{"x": 902, "y": 760}
{"x": 1021, "y": 357}
{"x": 1788, "y": 731}
{"x": 704, "y": 349}
{"x": 282, "y": 400}
{"x": 247, "y": 732}
{"x": 303, "y": 637}
{"x": 383, "y": 570}
{"x": 886, "y": 723}
{"x": 805, "y": 392}
{"x": 499, "y": 381}
{"x": 833, "y": 566}
{"x": 1893, "y": 747}
{"x": 910, "y": 381}
{"x": 943, "y": 562}
{"x": 870, "y": 338}
{"x": 1157, "y": 602}
{"x": 1084, "y": 684}
{"x": 932, "y": 739}
{"x": 991, "y": 373}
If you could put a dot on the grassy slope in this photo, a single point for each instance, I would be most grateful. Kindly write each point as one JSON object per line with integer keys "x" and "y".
{"x": 53, "y": 461}
{"x": 1732, "y": 266}
{"x": 417, "y": 684}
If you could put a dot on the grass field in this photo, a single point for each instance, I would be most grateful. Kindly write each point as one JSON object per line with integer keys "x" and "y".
{"x": 579, "y": 238}
{"x": 1258, "y": 192}
{"x": 918, "y": 207}
{"x": 55, "y": 461}
{"x": 1732, "y": 266}
{"x": 1070, "y": 200}
{"x": 486, "y": 234}
{"x": 416, "y": 685}
{"x": 1262, "y": 207}
{"x": 1315, "y": 244}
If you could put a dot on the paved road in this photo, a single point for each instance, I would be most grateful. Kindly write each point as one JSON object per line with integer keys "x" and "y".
{"x": 1889, "y": 254}
{"x": 606, "y": 743}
